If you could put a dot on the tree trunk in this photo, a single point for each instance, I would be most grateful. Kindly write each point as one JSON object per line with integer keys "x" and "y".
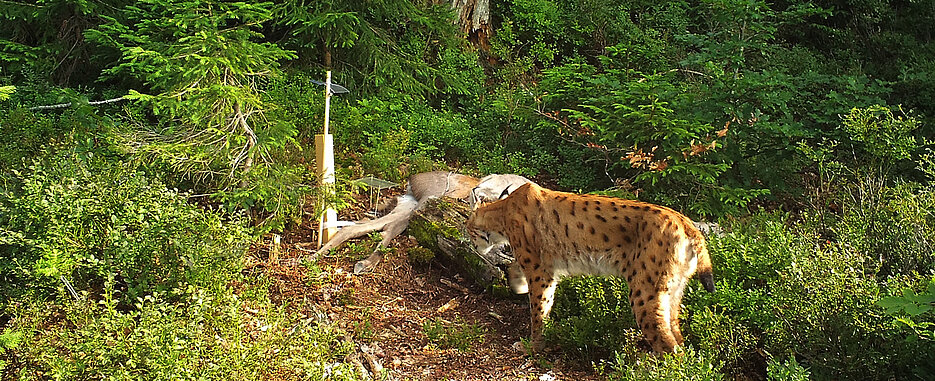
{"x": 439, "y": 226}
{"x": 474, "y": 20}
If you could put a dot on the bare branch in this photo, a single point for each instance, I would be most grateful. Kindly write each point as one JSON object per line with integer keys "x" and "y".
{"x": 69, "y": 104}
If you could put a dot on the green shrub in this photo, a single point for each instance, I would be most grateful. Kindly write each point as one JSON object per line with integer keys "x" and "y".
{"x": 823, "y": 310}
{"x": 9, "y": 341}
{"x": 731, "y": 344}
{"x": 274, "y": 195}
{"x": 746, "y": 260}
{"x": 592, "y": 316}
{"x": 787, "y": 291}
{"x": 914, "y": 309}
{"x": 788, "y": 370}
{"x": 202, "y": 335}
{"x": 689, "y": 365}
{"x": 864, "y": 178}
{"x": 27, "y": 132}
{"x": 30, "y": 134}
{"x": 396, "y": 137}
{"x": 881, "y": 133}
{"x": 919, "y": 307}
{"x": 154, "y": 280}
{"x": 891, "y": 226}
{"x": 91, "y": 220}
{"x": 6, "y": 91}
{"x": 393, "y": 156}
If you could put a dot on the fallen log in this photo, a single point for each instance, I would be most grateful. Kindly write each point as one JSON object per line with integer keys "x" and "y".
{"x": 439, "y": 227}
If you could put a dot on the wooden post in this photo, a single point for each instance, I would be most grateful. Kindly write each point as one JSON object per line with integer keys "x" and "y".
{"x": 324, "y": 162}
{"x": 274, "y": 248}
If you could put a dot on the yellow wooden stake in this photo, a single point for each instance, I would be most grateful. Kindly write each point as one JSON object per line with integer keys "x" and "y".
{"x": 324, "y": 162}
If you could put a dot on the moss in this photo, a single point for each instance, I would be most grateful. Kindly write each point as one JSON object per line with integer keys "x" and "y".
{"x": 444, "y": 205}
{"x": 424, "y": 232}
{"x": 474, "y": 265}
{"x": 420, "y": 256}
{"x": 501, "y": 291}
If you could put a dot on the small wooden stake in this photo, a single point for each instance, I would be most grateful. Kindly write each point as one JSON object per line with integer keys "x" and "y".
{"x": 274, "y": 248}
{"x": 324, "y": 162}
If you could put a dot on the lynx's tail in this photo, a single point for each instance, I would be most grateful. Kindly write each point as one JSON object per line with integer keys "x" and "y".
{"x": 705, "y": 272}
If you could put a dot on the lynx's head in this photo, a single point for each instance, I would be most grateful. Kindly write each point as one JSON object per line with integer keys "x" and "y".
{"x": 484, "y": 226}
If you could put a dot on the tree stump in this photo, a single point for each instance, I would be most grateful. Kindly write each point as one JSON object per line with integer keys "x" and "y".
{"x": 439, "y": 227}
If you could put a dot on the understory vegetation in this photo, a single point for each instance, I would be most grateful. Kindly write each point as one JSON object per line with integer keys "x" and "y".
{"x": 804, "y": 128}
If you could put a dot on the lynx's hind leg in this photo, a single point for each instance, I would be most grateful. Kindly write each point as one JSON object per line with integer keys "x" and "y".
{"x": 676, "y": 290}
{"x": 675, "y": 309}
{"x": 651, "y": 305}
{"x": 677, "y": 283}
{"x": 654, "y": 322}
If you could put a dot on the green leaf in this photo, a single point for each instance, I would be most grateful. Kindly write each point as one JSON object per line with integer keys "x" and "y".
{"x": 916, "y": 309}
{"x": 6, "y": 92}
{"x": 892, "y": 304}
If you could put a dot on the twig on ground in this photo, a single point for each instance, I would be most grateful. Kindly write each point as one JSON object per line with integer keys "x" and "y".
{"x": 454, "y": 285}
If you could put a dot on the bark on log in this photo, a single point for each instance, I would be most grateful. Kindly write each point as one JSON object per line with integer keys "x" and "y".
{"x": 439, "y": 226}
{"x": 473, "y": 15}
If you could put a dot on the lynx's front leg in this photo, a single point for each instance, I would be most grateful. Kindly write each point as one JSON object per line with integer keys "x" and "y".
{"x": 541, "y": 297}
{"x": 541, "y": 284}
{"x": 517, "y": 279}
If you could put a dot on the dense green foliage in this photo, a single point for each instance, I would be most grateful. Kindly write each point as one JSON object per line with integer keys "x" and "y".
{"x": 142, "y": 279}
{"x": 96, "y": 220}
{"x": 818, "y": 112}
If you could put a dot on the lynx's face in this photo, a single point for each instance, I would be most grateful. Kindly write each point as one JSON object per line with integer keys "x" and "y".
{"x": 484, "y": 240}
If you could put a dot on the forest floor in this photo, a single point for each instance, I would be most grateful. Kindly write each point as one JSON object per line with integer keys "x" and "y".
{"x": 387, "y": 311}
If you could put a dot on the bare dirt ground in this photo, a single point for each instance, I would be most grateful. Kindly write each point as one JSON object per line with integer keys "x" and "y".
{"x": 385, "y": 312}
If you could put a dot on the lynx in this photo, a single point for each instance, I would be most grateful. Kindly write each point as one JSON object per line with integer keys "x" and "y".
{"x": 555, "y": 234}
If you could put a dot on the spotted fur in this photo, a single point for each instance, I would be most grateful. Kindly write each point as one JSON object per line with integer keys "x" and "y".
{"x": 556, "y": 234}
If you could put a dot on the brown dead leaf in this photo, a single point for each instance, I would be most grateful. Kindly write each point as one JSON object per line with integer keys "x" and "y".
{"x": 638, "y": 158}
{"x": 698, "y": 149}
{"x": 723, "y": 132}
{"x": 659, "y": 165}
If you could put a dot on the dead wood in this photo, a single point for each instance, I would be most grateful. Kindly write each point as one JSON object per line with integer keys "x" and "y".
{"x": 439, "y": 226}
